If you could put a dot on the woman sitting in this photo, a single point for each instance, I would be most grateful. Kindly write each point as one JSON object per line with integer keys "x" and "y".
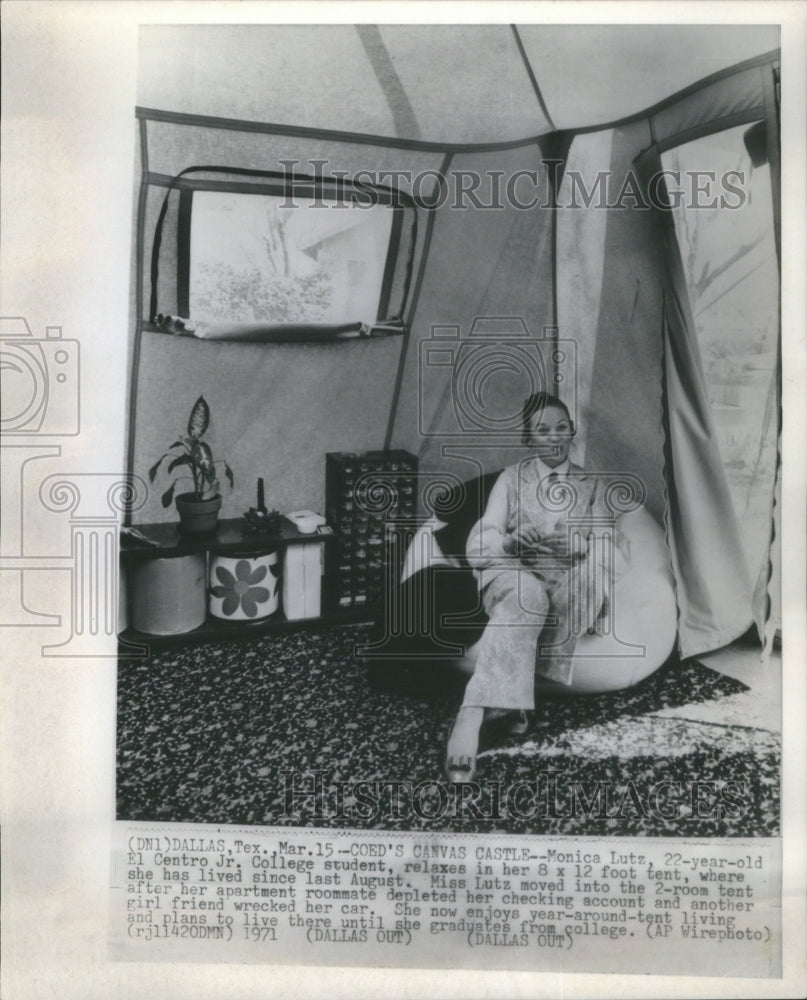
{"x": 545, "y": 568}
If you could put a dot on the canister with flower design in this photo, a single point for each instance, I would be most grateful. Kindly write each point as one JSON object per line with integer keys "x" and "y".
{"x": 244, "y": 587}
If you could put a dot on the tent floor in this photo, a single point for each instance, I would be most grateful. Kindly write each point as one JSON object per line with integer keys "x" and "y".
{"x": 759, "y": 704}
{"x": 205, "y": 732}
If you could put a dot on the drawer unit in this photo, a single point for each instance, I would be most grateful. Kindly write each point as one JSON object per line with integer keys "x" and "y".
{"x": 363, "y": 493}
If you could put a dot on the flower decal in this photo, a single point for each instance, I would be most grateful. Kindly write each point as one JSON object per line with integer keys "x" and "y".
{"x": 240, "y": 591}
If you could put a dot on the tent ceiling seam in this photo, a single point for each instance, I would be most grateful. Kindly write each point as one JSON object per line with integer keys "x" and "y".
{"x": 669, "y": 102}
{"x": 369, "y": 139}
{"x": 533, "y": 80}
{"x": 403, "y": 114}
{"x": 354, "y": 138}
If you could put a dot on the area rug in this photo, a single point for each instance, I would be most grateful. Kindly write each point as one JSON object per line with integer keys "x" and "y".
{"x": 288, "y": 730}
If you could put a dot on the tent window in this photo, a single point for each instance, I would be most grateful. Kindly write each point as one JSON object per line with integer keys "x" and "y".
{"x": 731, "y": 270}
{"x": 270, "y": 257}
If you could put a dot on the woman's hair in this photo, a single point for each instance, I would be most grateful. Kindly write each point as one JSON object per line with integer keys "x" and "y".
{"x": 537, "y": 403}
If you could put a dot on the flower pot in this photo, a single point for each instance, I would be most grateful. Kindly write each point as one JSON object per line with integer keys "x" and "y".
{"x": 244, "y": 588}
{"x": 197, "y": 517}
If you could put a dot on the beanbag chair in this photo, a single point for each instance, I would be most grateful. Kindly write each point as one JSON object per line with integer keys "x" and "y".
{"x": 442, "y": 618}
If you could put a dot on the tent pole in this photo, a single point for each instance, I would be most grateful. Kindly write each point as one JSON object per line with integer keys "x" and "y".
{"x": 764, "y": 609}
{"x": 555, "y": 150}
{"x": 138, "y": 332}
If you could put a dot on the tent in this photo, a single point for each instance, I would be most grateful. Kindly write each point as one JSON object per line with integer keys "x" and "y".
{"x": 594, "y": 208}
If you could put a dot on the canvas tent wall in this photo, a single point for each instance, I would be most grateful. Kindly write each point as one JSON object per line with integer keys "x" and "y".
{"x": 596, "y": 295}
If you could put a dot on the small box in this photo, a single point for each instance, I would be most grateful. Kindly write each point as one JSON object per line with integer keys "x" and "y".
{"x": 306, "y": 521}
{"x": 302, "y": 580}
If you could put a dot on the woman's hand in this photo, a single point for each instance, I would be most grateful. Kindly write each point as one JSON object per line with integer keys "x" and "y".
{"x": 521, "y": 543}
{"x": 555, "y": 544}
{"x": 530, "y": 543}
{"x": 513, "y": 544}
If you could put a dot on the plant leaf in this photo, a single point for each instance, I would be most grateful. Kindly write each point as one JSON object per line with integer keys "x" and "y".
{"x": 179, "y": 460}
{"x": 199, "y": 418}
{"x": 153, "y": 469}
{"x": 168, "y": 496}
{"x": 204, "y": 463}
{"x": 204, "y": 456}
{"x": 228, "y": 472}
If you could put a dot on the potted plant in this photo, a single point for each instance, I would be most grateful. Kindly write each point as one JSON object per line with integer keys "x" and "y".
{"x": 199, "y": 508}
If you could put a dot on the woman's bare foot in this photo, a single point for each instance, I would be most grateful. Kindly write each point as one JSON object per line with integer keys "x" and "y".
{"x": 463, "y": 742}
